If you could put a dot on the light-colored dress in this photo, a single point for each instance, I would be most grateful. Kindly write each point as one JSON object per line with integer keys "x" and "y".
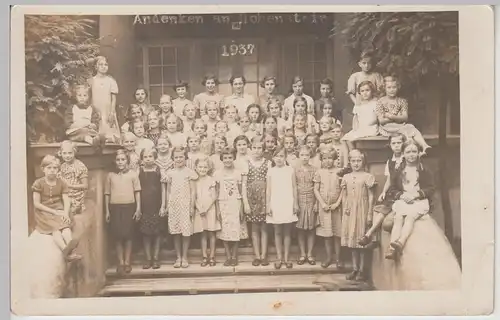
{"x": 73, "y": 173}
{"x": 178, "y": 202}
{"x": 395, "y": 107}
{"x": 367, "y": 122}
{"x": 229, "y": 202}
{"x": 241, "y": 163}
{"x": 308, "y": 219}
{"x": 341, "y": 150}
{"x": 208, "y": 222}
{"x": 288, "y": 109}
{"x": 355, "y": 208}
{"x": 356, "y": 78}
{"x": 178, "y": 139}
{"x": 216, "y": 162}
{"x": 102, "y": 89}
{"x": 330, "y": 222}
{"x": 201, "y": 99}
{"x": 418, "y": 207}
{"x": 240, "y": 102}
{"x": 281, "y": 195}
{"x": 178, "y": 106}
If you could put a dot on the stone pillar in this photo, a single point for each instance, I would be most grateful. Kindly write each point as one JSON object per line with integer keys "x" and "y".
{"x": 86, "y": 277}
{"x": 118, "y": 45}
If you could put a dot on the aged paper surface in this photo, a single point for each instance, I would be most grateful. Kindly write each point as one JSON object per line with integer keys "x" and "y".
{"x": 473, "y": 297}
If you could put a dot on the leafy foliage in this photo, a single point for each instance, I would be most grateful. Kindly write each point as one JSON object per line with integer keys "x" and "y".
{"x": 410, "y": 45}
{"x": 59, "y": 52}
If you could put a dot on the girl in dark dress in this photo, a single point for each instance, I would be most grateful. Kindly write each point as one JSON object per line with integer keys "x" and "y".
{"x": 152, "y": 207}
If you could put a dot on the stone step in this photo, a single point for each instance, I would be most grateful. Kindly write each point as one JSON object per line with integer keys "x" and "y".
{"x": 231, "y": 284}
{"x": 243, "y": 268}
{"x": 244, "y": 254}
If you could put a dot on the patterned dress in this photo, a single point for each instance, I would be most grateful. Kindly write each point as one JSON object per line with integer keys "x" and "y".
{"x": 151, "y": 223}
{"x": 355, "y": 208}
{"x": 256, "y": 190}
{"x": 330, "y": 222}
{"x": 50, "y": 196}
{"x": 229, "y": 201}
{"x": 308, "y": 219}
{"x": 178, "y": 206}
{"x": 74, "y": 173}
{"x": 396, "y": 106}
{"x": 153, "y": 137}
{"x": 165, "y": 163}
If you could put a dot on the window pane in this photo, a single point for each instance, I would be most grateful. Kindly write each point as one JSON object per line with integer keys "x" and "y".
{"x": 319, "y": 71}
{"x": 168, "y": 56}
{"x": 305, "y": 52}
{"x": 183, "y": 59}
{"x": 169, "y": 75}
{"x": 250, "y": 72}
{"x": 138, "y": 56}
{"x": 154, "y": 56}
{"x": 170, "y": 91}
{"x": 306, "y": 71}
{"x": 308, "y": 89}
{"x": 225, "y": 89}
{"x": 155, "y": 94}
{"x": 289, "y": 67}
{"x": 320, "y": 51}
{"x": 225, "y": 72}
{"x": 155, "y": 75}
{"x": 209, "y": 54}
{"x": 249, "y": 58}
{"x": 252, "y": 88}
{"x": 140, "y": 74}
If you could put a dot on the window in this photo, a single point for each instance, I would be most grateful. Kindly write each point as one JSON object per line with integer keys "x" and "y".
{"x": 213, "y": 61}
{"x": 166, "y": 65}
{"x": 305, "y": 58}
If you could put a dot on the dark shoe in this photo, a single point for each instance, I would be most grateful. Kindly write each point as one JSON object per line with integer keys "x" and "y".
{"x": 212, "y": 262}
{"x": 278, "y": 264}
{"x": 289, "y": 265}
{"x": 361, "y": 276}
{"x": 363, "y": 241}
{"x": 228, "y": 262}
{"x": 340, "y": 265}
{"x": 256, "y": 262}
{"x": 156, "y": 264}
{"x": 311, "y": 261}
{"x": 264, "y": 262}
{"x": 234, "y": 262}
{"x": 301, "y": 260}
{"x": 326, "y": 264}
{"x": 128, "y": 268}
{"x": 352, "y": 275}
{"x": 204, "y": 262}
{"x": 147, "y": 265}
{"x": 120, "y": 270}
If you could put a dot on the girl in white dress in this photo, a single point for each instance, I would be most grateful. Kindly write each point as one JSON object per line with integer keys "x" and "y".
{"x": 365, "y": 122}
{"x": 413, "y": 187}
{"x": 281, "y": 212}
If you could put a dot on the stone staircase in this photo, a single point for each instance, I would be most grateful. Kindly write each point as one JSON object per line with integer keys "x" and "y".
{"x": 243, "y": 278}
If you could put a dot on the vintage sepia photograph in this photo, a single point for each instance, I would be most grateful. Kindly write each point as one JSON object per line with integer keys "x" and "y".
{"x": 228, "y": 153}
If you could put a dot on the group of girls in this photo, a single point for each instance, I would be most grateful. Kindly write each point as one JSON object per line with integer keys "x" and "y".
{"x": 218, "y": 166}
